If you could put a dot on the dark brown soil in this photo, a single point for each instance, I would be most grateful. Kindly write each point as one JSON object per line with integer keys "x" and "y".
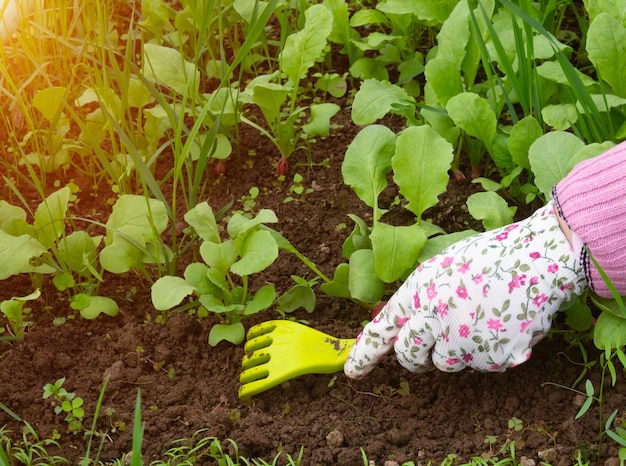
{"x": 186, "y": 385}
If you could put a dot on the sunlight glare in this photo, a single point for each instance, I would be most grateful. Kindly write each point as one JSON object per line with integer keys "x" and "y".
{"x": 12, "y": 12}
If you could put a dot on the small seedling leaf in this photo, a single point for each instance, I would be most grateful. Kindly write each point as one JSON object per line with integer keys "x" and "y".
{"x": 202, "y": 219}
{"x": 338, "y": 287}
{"x": 166, "y": 66}
{"x": 491, "y": 209}
{"x": 319, "y": 123}
{"x": 257, "y": 252}
{"x": 296, "y": 297}
{"x": 50, "y": 217}
{"x": 125, "y": 250}
{"x": 219, "y": 255}
{"x": 16, "y": 253}
{"x": 524, "y": 133}
{"x": 50, "y": 102}
{"x": 609, "y": 331}
{"x": 363, "y": 281}
{"x": 239, "y": 224}
{"x": 261, "y": 301}
{"x": 234, "y": 333}
{"x": 78, "y": 251}
{"x": 91, "y": 307}
{"x": 148, "y": 216}
{"x": 169, "y": 291}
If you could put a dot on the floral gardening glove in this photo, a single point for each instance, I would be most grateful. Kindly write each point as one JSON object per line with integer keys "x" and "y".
{"x": 483, "y": 302}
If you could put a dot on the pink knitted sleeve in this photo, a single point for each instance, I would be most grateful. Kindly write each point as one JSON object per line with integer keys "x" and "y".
{"x": 592, "y": 200}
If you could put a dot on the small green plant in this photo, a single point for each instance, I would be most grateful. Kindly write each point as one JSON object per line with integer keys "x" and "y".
{"x": 31, "y": 449}
{"x": 14, "y": 311}
{"x": 67, "y": 403}
{"x": 280, "y": 100}
{"x": 250, "y": 248}
{"x": 297, "y": 191}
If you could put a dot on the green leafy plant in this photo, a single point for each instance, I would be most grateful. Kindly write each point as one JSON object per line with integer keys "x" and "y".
{"x": 14, "y": 311}
{"x": 384, "y": 253}
{"x": 67, "y": 403}
{"x": 280, "y": 100}
{"x": 31, "y": 449}
{"x": 297, "y": 191}
{"x": 249, "y": 249}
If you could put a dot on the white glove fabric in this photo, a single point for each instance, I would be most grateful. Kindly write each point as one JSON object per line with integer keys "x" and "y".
{"x": 482, "y": 303}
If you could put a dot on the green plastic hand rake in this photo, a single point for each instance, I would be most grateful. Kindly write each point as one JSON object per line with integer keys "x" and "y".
{"x": 280, "y": 350}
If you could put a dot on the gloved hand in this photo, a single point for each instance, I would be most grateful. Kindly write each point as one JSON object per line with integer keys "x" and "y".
{"x": 481, "y": 303}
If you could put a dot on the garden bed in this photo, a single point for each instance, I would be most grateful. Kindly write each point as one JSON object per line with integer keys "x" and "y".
{"x": 137, "y": 110}
{"x": 187, "y": 386}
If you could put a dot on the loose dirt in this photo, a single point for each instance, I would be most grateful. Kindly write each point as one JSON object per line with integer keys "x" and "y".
{"x": 186, "y": 385}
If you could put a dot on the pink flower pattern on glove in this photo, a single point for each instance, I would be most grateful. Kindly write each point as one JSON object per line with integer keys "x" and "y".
{"x": 518, "y": 277}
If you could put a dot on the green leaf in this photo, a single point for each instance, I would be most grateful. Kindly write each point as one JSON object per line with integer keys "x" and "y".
{"x": 233, "y": 333}
{"x": 443, "y": 77}
{"x": 474, "y": 115}
{"x": 16, "y": 253}
{"x": 589, "y": 390}
{"x": 524, "y": 133}
{"x": 13, "y": 311}
{"x": 169, "y": 291}
{"x": 296, "y": 297}
{"x": 425, "y": 11}
{"x": 249, "y": 10}
{"x": 396, "y": 249}
{"x": 606, "y": 46}
{"x": 437, "y": 244}
{"x": 551, "y": 157}
{"x": 608, "y": 305}
{"x": 219, "y": 255}
{"x": 78, "y": 251}
{"x": 238, "y": 224}
{"x": 553, "y": 71}
{"x": 220, "y": 291}
{"x": 609, "y": 331}
{"x": 91, "y": 307}
{"x": 421, "y": 163}
{"x": 491, "y": 209}
{"x": 10, "y": 214}
{"x": 50, "y": 217}
{"x": 167, "y": 66}
{"x": 50, "y": 102}
{"x": 202, "y": 220}
{"x": 363, "y": 281}
{"x": 579, "y": 316}
{"x": 197, "y": 275}
{"x": 270, "y": 97}
{"x": 147, "y": 216}
{"x": 338, "y": 287}
{"x": 375, "y": 99}
{"x": 442, "y": 123}
{"x": 367, "y": 162}
{"x": 264, "y": 298}
{"x": 359, "y": 238}
{"x": 560, "y": 116}
{"x": 125, "y": 250}
{"x": 305, "y": 47}
{"x": 257, "y": 252}
{"x": 319, "y": 123}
